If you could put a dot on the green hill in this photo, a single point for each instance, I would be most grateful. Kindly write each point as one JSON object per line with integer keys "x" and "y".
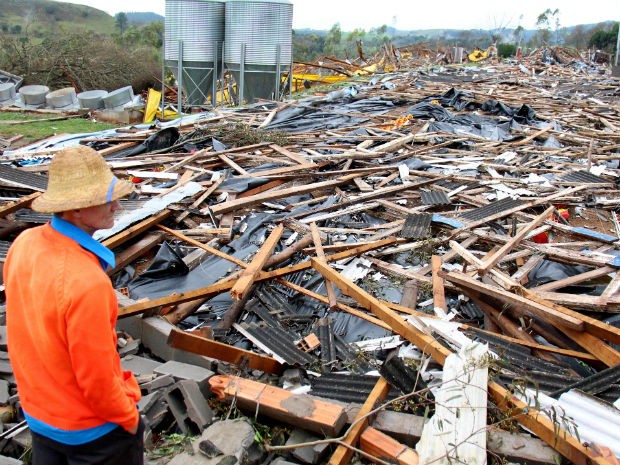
{"x": 41, "y": 18}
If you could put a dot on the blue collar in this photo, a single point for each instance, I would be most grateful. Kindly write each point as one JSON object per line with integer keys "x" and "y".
{"x": 105, "y": 255}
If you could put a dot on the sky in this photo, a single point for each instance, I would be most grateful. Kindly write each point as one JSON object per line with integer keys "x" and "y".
{"x": 412, "y": 14}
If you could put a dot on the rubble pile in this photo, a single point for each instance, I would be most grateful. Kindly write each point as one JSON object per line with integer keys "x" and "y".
{"x": 419, "y": 267}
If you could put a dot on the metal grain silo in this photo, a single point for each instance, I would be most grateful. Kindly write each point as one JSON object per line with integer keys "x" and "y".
{"x": 258, "y": 45}
{"x": 194, "y": 31}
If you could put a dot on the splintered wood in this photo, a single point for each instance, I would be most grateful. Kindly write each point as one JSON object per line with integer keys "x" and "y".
{"x": 451, "y": 209}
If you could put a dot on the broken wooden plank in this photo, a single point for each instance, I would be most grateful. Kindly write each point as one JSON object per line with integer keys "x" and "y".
{"x": 294, "y": 409}
{"x": 512, "y": 243}
{"x": 236, "y": 204}
{"x": 545, "y": 429}
{"x": 23, "y": 202}
{"x": 386, "y": 448}
{"x": 342, "y": 455}
{"x": 316, "y": 238}
{"x": 243, "y": 358}
{"x": 248, "y": 275}
{"x": 519, "y": 302}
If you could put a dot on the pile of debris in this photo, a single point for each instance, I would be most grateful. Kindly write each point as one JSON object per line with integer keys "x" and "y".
{"x": 420, "y": 268}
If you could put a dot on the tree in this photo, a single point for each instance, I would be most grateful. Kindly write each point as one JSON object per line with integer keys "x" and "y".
{"x": 605, "y": 38}
{"x": 578, "y": 37}
{"x": 544, "y": 22}
{"x": 121, "y": 22}
{"x": 332, "y": 40}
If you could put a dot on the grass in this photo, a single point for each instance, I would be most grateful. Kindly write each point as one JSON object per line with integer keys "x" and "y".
{"x": 40, "y": 129}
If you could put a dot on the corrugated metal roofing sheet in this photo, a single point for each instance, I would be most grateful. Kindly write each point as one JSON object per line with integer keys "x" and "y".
{"x": 279, "y": 342}
{"x": 417, "y": 226}
{"x": 583, "y": 177}
{"x": 432, "y": 197}
{"x": 19, "y": 178}
{"x": 491, "y": 209}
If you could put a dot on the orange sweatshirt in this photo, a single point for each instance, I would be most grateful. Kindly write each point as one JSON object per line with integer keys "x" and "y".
{"x": 61, "y": 315}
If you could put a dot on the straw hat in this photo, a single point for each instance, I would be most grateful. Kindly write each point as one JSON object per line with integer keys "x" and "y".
{"x": 79, "y": 178}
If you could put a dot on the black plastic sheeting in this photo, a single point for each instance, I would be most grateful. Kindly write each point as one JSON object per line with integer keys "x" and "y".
{"x": 162, "y": 139}
{"x": 307, "y": 116}
{"x": 549, "y": 271}
{"x": 168, "y": 275}
{"x": 482, "y": 126}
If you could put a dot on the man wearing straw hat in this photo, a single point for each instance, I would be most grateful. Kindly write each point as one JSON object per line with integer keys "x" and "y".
{"x": 61, "y": 315}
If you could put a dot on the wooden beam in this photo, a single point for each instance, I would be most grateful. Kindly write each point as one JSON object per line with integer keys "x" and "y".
{"x": 593, "y": 326}
{"x": 294, "y": 409}
{"x": 248, "y": 275}
{"x": 200, "y": 199}
{"x": 321, "y": 298}
{"x": 227, "y": 283}
{"x": 439, "y": 293}
{"x": 237, "y": 204}
{"x": 512, "y": 243}
{"x": 23, "y": 202}
{"x": 244, "y": 358}
{"x": 519, "y": 302}
{"x": 136, "y": 250}
{"x": 136, "y": 229}
{"x": 208, "y": 248}
{"x": 566, "y": 444}
{"x": 342, "y": 455}
{"x": 318, "y": 247}
{"x": 296, "y": 157}
{"x": 396, "y": 322}
{"x": 576, "y": 279}
{"x": 386, "y": 448}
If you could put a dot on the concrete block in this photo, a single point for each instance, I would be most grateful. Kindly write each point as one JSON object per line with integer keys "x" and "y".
{"x": 129, "y": 347}
{"x": 131, "y": 325}
{"x": 403, "y": 427}
{"x": 189, "y": 407}
{"x": 154, "y": 335}
{"x": 188, "y": 459}
{"x": 154, "y": 408}
{"x": 139, "y": 366}
{"x": 232, "y": 437}
{"x": 309, "y": 454}
{"x": 159, "y": 383}
{"x": 10, "y": 461}
{"x": 6, "y": 370}
{"x": 292, "y": 376}
{"x": 180, "y": 371}
{"x": 521, "y": 448}
{"x": 282, "y": 461}
{"x": 4, "y": 392}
